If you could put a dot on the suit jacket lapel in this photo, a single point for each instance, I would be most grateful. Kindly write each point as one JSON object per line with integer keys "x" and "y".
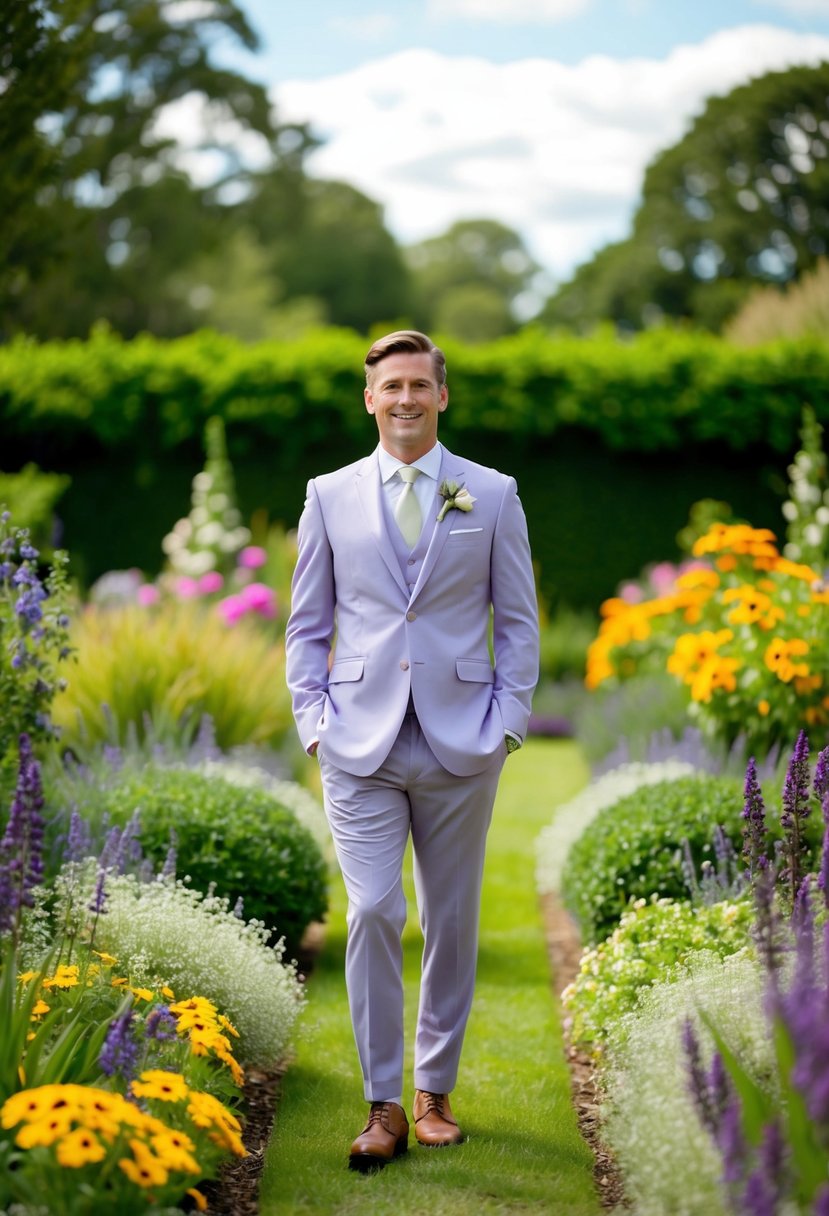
{"x": 451, "y": 469}
{"x": 369, "y": 492}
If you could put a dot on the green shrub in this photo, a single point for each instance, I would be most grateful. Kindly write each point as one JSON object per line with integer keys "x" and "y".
{"x": 634, "y": 848}
{"x": 240, "y": 842}
{"x": 652, "y": 943}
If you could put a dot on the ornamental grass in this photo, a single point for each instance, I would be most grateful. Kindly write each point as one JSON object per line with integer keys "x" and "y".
{"x": 163, "y": 668}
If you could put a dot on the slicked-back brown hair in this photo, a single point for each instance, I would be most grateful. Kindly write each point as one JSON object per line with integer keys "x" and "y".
{"x": 406, "y": 342}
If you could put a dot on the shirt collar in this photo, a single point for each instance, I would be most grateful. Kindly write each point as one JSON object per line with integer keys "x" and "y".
{"x": 428, "y": 464}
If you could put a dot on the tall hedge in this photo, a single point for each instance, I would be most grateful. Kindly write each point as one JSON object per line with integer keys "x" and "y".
{"x": 611, "y": 441}
{"x": 659, "y": 391}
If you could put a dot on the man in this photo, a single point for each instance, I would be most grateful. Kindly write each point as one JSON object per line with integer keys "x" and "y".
{"x": 403, "y": 559}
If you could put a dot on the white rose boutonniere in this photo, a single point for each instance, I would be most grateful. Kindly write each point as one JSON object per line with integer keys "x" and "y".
{"x": 456, "y": 498}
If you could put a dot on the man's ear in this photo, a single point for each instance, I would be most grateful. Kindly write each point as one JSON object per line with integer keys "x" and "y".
{"x": 369, "y": 399}
{"x": 444, "y": 398}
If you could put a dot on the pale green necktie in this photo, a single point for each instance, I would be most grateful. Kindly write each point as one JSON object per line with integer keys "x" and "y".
{"x": 407, "y": 513}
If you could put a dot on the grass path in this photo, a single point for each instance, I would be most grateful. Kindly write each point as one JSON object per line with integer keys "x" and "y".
{"x": 523, "y": 1153}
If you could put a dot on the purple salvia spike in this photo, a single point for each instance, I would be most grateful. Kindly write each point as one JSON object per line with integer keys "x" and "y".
{"x": 754, "y": 820}
{"x": 731, "y": 1142}
{"x": 820, "y": 785}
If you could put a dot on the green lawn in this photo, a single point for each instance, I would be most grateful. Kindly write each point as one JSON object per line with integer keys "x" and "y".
{"x": 523, "y": 1152}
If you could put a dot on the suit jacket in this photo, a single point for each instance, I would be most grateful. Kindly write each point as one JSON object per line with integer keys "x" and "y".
{"x": 432, "y": 642}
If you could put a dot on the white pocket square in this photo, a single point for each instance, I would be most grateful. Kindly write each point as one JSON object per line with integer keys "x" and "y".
{"x": 458, "y": 531}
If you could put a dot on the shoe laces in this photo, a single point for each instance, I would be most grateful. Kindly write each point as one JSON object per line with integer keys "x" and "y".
{"x": 375, "y": 1113}
{"x": 432, "y": 1102}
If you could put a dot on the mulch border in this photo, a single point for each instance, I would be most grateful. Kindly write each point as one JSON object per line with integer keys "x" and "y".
{"x": 564, "y": 949}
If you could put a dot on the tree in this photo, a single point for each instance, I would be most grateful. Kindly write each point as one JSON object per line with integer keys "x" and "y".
{"x": 326, "y": 241}
{"x": 742, "y": 199}
{"x": 483, "y": 254}
{"x": 85, "y": 81}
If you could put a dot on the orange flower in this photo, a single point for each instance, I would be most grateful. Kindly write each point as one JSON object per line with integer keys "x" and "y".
{"x": 754, "y": 607}
{"x": 693, "y": 650}
{"x": 778, "y": 658}
{"x": 763, "y": 708}
{"x": 714, "y": 674}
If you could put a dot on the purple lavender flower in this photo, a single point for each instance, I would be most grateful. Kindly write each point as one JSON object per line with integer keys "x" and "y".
{"x": 764, "y": 1184}
{"x": 731, "y": 1142}
{"x": 823, "y": 874}
{"x": 796, "y": 807}
{"x": 168, "y": 870}
{"x": 710, "y": 1092}
{"x": 119, "y": 1053}
{"x": 160, "y": 1025}
{"x": 754, "y": 821}
{"x": 79, "y": 839}
{"x": 21, "y": 849}
{"x": 821, "y": 1206}
{"x": 98, "y": 901}
{"x": 820, "y": 785}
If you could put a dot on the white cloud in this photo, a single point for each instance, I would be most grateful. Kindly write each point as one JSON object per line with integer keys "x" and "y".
{"x": 370, "y": 28}
{"x": 509, "y": 11}
{"x": 555, "y": 151}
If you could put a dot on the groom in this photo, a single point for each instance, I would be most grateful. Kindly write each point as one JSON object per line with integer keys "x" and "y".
{"x": 406, "y": 560}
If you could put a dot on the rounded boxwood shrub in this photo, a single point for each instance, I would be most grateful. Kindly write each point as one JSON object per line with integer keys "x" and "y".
{"x": 242, "y": 842}
{"x": 634, "y": 848}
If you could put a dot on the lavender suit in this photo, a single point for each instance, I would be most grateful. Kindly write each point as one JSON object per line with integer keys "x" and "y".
{"x": 411, "y": 716}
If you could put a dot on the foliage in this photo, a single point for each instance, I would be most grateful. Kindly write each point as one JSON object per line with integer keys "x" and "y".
{"x": 739, "y": 200}
{"x": 573, "y": 817}
{"x": 163, "y": 668}
{"x": 617, "y": 722}
{"x": 33, "y": 639}
{"x": 745, "y": 633}
{"x": 196, "y": 944}
{"x": 565, "y": 636}
{"x": 479, "y": 265}
{"x": 31, "y": 496}
{"x": 800, "y": 308}
{"x": 83, "y": 152}
{"x": 302, "y": 804}
{"x": 634, "y": 848}
{"x": 668, "y": 1161}
{"x": 652, "y": 943}
{"x": 659, "y": 392}
{"x": 210, "y": 823}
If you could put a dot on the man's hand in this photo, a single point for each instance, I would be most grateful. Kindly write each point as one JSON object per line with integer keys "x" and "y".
{"x": 312, "y": 747}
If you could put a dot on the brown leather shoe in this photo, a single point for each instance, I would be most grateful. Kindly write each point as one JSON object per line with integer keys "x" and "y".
{"x": 435, "y": 1125}
{"x": 386, "y": 1135}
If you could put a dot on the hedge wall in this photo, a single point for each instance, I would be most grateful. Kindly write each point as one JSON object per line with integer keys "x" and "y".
{"x": 611, "y": 441}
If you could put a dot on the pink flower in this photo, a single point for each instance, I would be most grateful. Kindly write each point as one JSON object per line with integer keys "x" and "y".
{"x": 232, "y": 608}
{"x": 148, "y": 594}
{"x": 631, "y": 593}
{"x": 252, "y": 557}
{"x": 257, "y": 597}
{"x": 187, "y": 588}
{"x": 663, "y": 577}
{"x": 210, "y": 582}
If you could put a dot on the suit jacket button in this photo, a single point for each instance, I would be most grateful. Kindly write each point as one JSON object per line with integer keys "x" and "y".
{"x": 404, "y": 666}
{"x": 411, "y": 616}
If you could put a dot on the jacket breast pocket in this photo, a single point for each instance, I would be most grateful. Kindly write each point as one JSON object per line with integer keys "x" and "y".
{"x": 475, "y": 671}
{"x": 346, "y": 671}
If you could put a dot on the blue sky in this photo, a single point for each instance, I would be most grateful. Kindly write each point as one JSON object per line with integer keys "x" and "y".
{"x": 312, "y": 40}
{"x": 542, "y": 114}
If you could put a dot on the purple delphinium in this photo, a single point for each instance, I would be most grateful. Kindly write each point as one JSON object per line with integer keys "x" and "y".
{"x": 119, "y": 1053}
{"x": 731, "y": 1142}
{"x": 161, "y": 1025}
{"x": 796, "y": 807}
{"x": 754, "y": 822}
{"x": 823, "y": 872}
{"x": 821, "y": 1205}
{"x": 21, "y": 849}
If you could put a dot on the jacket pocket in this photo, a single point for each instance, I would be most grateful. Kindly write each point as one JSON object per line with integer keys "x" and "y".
{"x": 345, "y": 671}
{"x": 476, "y": 671}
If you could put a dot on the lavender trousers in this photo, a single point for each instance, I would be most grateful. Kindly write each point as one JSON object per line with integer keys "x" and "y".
{"x": 448, "y": 818}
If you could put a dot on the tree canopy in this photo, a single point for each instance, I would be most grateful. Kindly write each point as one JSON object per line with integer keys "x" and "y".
{"x": 742, "y": 199}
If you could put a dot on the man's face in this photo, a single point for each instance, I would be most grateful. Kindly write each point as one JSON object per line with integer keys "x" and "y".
{"x": 406, "y": 399}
